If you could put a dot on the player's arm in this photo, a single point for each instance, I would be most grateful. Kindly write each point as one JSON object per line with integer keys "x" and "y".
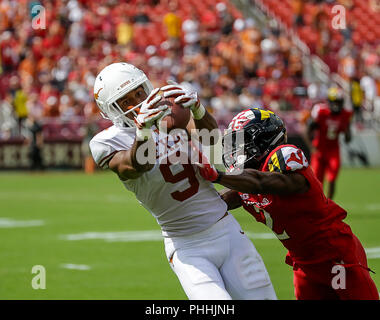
{"x": 206, "y": 122}
{"x": 254, "y": 181}
{"x": 312, "y": 123}
{"x": 132, "y": 163}
{"x": 231, "y": 197}
{"x": 311, "y": 127}
{"x": 125, "y": 163}
{"x": 348, "y": 134}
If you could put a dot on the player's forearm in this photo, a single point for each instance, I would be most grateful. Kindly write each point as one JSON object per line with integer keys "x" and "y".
{"x": 207, "y": 122}
{"x": 128, "y": 164}
{"x": 347, "y": 136}
{"x": 247, "y": 182}
{"x": 254, "y": 181}
{"x": 311, "y": 127}
{"x": 139, "y": 155}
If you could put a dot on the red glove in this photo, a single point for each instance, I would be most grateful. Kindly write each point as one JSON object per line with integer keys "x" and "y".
{"x": 208, "y": 172}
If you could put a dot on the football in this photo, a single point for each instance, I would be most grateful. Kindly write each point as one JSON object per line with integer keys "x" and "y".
{"x": 177, "y": 118}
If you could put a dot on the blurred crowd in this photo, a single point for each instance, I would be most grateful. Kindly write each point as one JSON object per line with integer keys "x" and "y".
{"x": 48, "y": 74}
{"x": 352, "y": 52}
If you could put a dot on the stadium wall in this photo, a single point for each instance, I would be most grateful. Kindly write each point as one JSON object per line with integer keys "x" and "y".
{"x": 55, "y": 154}
{"x": 363, "y": 150}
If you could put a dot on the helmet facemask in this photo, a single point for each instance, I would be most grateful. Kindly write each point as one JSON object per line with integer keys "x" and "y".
{"x": 116, "y": 114}
{"x": 248, "y": 147}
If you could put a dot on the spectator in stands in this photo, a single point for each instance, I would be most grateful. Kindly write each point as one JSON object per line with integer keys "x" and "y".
{"x": 357, "y": 96}
{"x": 124, "y": 31}
{"x": 226, "y": 19}
{"x": 348, "y": 31}
{"x": 35, "y": 142}
{"x": 227, "y": 54}
{"x": 374, "y": 5}
{"x": 347, "y": 67}
{"x": 298, "y": 9}
{"x": 369, "y": 86}
{"x": 190, "y": 29}
{"x": 141, "y": 16}
{"x": 348, "y": 4}
{"x": 209, "y": 20}
{"x": 19, "y": 101}
{"x": 173, "y": 24}
{"x": 8, "y": 123}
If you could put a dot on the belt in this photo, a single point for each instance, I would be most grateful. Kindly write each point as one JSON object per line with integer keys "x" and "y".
{"x": 225, "y": 215}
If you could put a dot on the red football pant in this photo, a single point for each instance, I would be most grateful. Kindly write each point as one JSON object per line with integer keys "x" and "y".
{"x": 325, "y": 163}
{"x": 314, "y": 281}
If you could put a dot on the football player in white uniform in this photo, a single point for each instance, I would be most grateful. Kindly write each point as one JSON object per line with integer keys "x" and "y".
{"x": 204, "y": 244}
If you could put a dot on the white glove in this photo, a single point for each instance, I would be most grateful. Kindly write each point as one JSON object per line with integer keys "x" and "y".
{"x": 185, "y": 97}
{"x": 148, "y": 114}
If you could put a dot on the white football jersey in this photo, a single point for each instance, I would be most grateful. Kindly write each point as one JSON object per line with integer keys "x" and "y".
{"x": 176, "y": 195}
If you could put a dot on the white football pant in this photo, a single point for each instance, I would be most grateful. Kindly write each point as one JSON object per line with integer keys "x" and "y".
{"x": 219, "y": 263}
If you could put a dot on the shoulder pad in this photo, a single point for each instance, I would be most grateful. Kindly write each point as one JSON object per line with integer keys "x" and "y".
{"x": 287, "y": 158}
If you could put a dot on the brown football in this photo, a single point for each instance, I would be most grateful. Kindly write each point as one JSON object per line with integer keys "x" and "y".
{"x": 178, "y": 118}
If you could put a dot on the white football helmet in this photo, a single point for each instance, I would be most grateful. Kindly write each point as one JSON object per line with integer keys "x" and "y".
{"x": 112, "y": 83}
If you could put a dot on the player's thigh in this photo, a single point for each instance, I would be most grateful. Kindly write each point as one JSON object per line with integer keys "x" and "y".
{"x": 308, "y": 286}
{"x": 333, "y": 166}
{"x": 244, "y": 272}
{"x": 358, "y": 285}
{"x": 199, "y": 277}
{"x": 358, "y": 280}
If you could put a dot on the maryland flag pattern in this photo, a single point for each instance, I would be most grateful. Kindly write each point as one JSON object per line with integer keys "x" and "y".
{"x": 287, "y": 158}
{"x": 244, "y": 117}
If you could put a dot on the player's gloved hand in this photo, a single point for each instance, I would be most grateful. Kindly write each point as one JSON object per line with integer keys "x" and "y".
{"x": 209, "y": 173}
{"x": 185, "y": 97}
{"x": 149, "y": 113}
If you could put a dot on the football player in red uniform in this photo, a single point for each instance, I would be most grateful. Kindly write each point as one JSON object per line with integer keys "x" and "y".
{"x": 328, "y": 121}
{"x": 275, "y": 184}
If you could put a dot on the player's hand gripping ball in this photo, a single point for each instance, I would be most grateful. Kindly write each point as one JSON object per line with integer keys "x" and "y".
{"x": 175, "y": 117}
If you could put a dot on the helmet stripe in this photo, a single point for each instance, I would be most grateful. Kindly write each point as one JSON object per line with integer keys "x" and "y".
{"x": 265, "y": 114}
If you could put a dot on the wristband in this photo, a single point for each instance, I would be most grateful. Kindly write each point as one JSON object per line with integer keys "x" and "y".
{"x": 143, "y": 134}
{"x": 199, "y": 112}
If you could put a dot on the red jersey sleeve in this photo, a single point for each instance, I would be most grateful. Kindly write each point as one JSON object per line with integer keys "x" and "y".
{"x": 319, "y": 112}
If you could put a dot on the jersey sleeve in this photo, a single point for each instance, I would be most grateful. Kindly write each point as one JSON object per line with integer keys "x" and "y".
{"x": 107, "y": 143}
{"x": 288, "y": 158}
{"x": 102, "y": 153}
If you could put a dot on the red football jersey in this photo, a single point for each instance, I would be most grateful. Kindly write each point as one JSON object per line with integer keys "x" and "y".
{"x": 309, "y": 225}
{"x": 329, "y": 126}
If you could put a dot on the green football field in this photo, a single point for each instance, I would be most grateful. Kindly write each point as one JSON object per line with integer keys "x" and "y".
{"x": 96, "y": 242}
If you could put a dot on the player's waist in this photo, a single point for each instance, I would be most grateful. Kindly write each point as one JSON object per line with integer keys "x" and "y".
{"x": 214, "y": 227}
